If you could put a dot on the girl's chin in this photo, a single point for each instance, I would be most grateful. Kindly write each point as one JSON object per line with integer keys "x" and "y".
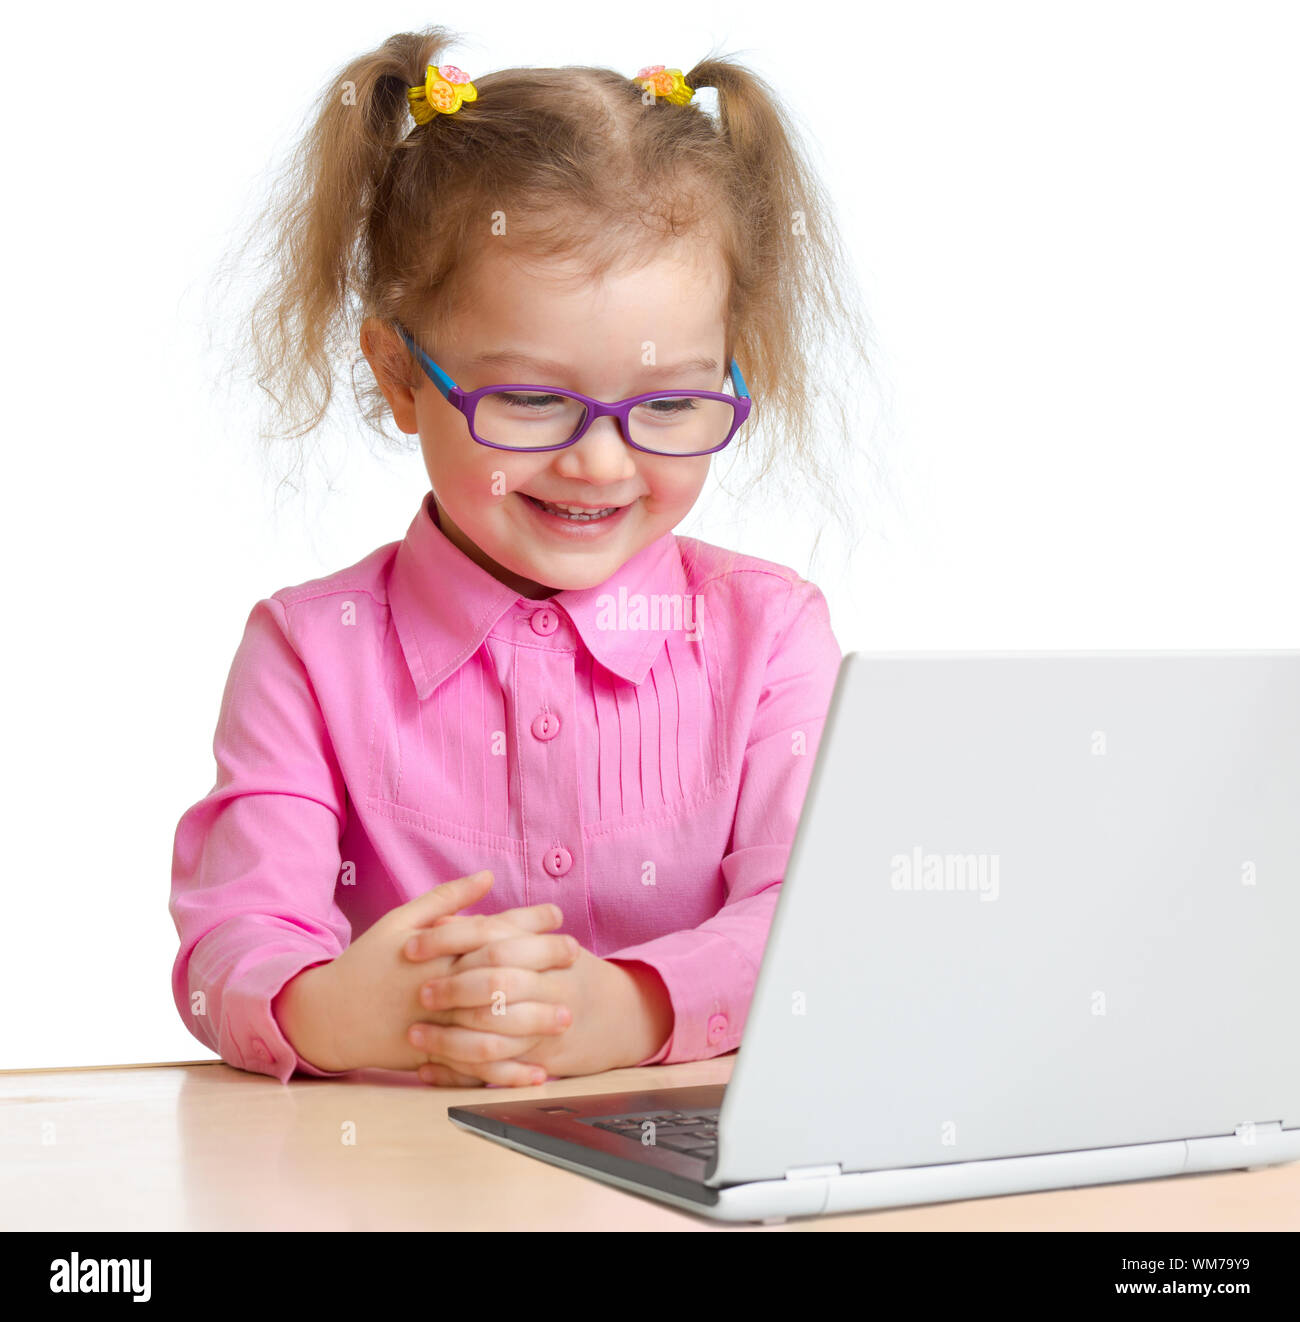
{"x": 539, "y": 571}
{"x": 560, "y": 583}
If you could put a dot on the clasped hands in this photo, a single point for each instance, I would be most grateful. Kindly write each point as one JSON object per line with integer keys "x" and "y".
{"x": 507, "y": 999}
{"x": 478, "y": 998}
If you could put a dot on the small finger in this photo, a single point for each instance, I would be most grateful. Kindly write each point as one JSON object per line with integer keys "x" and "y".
{"x": 472, "y": 930}
{"x": 470, "y": 1046}
{"x": 553, "y": 950}
{"x": 446, "y": 898}
{"x": 510, "y": 1073}
{"x": 490, "y": 984}
{"x": 443, "y": 1076}
{"x": 519, "y": 1019}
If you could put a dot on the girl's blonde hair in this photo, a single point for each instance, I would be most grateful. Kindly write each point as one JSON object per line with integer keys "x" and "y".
{"x": 374, "y": 216}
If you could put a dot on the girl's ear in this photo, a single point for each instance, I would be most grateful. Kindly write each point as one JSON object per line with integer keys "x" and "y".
{"x": 391, "y": 364}
{"x": 385, "y": 352}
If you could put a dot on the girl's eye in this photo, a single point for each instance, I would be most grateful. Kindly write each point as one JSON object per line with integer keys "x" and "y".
{"x": 525, "y": 401}
{"x": 667, "y": 407}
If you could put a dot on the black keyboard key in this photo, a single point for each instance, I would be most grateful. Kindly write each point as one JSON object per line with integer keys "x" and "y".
{"x": 693, "y": 1133}
{"x": 691, "y": 1146}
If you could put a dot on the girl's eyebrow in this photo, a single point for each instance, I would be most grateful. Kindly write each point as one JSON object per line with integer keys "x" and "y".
{"x": 515, "y": 358}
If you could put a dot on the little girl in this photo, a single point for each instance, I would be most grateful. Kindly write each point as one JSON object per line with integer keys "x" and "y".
{"x": 513, "y": 797}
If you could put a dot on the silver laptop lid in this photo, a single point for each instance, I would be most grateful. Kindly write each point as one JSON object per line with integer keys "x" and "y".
{"x": 1036, "y": 902}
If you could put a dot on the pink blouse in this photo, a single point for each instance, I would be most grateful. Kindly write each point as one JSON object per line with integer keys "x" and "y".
{"x": 636, "y": 752}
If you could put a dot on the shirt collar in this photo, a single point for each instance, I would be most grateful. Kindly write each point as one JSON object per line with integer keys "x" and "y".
{"x": 444, "y": 605}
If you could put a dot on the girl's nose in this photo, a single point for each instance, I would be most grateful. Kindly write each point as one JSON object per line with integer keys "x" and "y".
{"x": 601, "y": 456}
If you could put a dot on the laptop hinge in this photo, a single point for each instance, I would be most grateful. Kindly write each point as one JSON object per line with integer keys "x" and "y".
{"x": 812, "y": 1172}
{"x": 1243, "y": 1131}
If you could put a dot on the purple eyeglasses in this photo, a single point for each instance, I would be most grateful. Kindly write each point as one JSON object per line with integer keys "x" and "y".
{"x": 524, "y": 413}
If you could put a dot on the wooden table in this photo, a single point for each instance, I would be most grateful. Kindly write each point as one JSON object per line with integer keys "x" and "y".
{"x": 202, "y": 1146}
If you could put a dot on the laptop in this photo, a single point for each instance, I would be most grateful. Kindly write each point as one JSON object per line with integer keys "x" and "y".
{"x": 1037, "y": 931}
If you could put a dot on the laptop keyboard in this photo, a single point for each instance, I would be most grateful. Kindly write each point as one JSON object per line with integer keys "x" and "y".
{"x": 694, "y": 1133}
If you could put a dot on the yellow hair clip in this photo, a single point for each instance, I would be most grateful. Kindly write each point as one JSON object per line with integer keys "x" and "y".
{"x": 444, "y": 88}
{"x": 667, "y": 83}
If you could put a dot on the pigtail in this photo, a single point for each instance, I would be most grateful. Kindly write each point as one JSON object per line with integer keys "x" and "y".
{"x": 303, "y": 326}
{"x": 804, "y": 340}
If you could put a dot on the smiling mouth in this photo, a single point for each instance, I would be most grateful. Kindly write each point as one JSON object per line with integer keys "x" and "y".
{"x": 575, "y": 513}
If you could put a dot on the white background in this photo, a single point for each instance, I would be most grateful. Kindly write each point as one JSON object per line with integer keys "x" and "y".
{"x": 1075, "y": 228}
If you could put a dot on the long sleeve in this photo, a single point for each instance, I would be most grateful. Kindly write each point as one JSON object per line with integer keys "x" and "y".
{"x": 255, "y": 862}
{"x": 710, "y": 971}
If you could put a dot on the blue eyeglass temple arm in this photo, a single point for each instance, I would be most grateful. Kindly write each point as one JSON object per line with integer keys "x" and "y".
{"x": 446, "y": 385}
{"x": 439, "y": 378}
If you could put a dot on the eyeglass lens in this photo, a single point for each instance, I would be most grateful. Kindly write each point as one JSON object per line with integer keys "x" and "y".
{"x": 668, "y": 424}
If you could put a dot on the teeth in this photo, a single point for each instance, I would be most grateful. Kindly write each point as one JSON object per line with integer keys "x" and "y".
{"x": 576, "y": 512}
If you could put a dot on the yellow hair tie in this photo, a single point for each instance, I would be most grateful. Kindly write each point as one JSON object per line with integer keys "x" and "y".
{"x": 444, "y": 88}
{"x": 667, "y": 83}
